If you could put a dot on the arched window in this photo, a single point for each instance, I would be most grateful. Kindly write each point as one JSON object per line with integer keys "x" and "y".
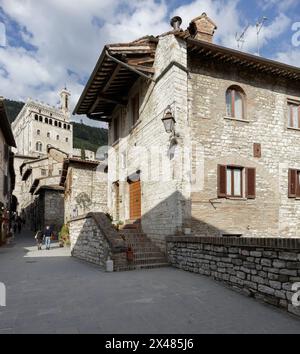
{"x": 67, "y": 140}
{"x": 57, "y": 137}
{"x": 48, "y": 135}
{"x": 36, "y": 117}
{"x": 55, "y": 123}
{"x": 46, "y": 120}
{"x": 65, "y": 126}
{"x": 41, "y": 119}
{"x": 50, "y": 121}
{"x": 59, "y": 124}
{"x": 39, "y": 146}
{"x": 235, "y": 102}
{"x": 69, "y": 127}
{"x": 38, "y": 132}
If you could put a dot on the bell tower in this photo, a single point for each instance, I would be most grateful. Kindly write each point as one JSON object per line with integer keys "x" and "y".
{"x": 65, "y": 100}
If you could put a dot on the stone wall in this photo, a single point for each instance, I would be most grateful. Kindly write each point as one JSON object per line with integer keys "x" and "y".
{"x": 93, "y": 239}
{"x": 54, "y": 209}
{"x": 228, "y": 141}
{"x": 163, "y": 196}
{"x": 85, "y": 190}
{"x": 263, "y": 268}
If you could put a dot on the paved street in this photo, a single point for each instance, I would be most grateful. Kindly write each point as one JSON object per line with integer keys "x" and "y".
{"x": 50, "y": 292}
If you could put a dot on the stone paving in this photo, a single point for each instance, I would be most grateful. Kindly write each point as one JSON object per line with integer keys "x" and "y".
{"x": 50, "y": 292}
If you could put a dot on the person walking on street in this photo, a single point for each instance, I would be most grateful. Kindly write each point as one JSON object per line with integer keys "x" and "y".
{"x": 47, "y": 235}
{"x": 39, "y": 239}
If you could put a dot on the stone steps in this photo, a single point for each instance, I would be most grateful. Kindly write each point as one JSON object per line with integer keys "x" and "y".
{"x": 146, "y": 255}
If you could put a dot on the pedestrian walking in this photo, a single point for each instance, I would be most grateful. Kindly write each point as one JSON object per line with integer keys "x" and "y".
{"x": 39, "y": 239}
{"x": 47, "y": 235}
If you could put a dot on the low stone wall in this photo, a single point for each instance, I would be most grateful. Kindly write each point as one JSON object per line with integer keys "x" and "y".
{"x": 264, "y": 268}
{"x": 93, "y": 239}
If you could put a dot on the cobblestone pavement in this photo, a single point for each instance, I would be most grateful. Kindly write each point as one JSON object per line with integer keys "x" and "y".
{"x": 50, "y": 292}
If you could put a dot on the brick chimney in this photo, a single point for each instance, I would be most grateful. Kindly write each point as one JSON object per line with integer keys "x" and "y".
{"x": 202, "y": 28}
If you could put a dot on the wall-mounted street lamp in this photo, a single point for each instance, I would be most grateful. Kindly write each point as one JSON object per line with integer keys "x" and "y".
{"x": 169, "y": 122}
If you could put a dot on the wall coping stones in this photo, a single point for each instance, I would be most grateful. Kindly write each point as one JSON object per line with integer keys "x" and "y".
{"x": 114, "y": 239}
{"x": 263, "y": 242}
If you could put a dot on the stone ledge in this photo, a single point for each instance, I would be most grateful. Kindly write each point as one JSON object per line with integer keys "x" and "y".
{"x": 281, "y": 243}
{"x": 113, "y": 238}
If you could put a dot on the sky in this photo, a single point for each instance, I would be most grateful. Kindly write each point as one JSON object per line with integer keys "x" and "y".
{"x": 47, "y": 44}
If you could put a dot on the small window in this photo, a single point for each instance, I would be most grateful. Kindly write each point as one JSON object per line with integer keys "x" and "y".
{"x": 59, "y": 124}
{"x": 41, "y": 119}
{"x": 231, "y": 182}
{"x": 69, "y": 127}
{"x": 135, "y": 108}
{"x": 46, "y": 120}
{"x": 235, "y": 103}
{"x": 65, "y": 126}
{"x": 294, "y": 115}
{"x": 50, "y": 121}
{"x": 38, "y": 132}
{"x": 39, "y": 146}
{"x": 36, "y": 117}
{"x": 55, "y": 123}
{"x": 67, "y": 140}
{"x": 48, "y": 135}
{"x": 57, "y": 137}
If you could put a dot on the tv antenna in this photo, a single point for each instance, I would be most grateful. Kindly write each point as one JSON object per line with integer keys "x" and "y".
{"x": 259, "y": 26}
{"x": 240, "y": 39}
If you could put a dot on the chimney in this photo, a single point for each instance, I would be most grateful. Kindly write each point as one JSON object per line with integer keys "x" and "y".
{"x": 176, "y": 23}
{"x": 202, "y": 28}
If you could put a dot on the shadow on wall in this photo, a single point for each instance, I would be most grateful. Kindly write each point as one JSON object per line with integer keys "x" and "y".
{"x": 217, "y": 217}
{"x": 95, "y": 240}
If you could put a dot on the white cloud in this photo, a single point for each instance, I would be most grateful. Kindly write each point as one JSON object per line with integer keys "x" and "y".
{"x": 279, "y": 4}
{"x": 70, "y": 34}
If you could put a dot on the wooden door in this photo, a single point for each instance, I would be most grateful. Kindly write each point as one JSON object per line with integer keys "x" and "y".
{"x": 135, "y": 200}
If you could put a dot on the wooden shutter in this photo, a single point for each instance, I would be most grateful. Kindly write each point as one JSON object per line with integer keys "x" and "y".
{"x": 250, "y": 183}
{"x": 222, "y": 181}
{"x": 292, "y": 183}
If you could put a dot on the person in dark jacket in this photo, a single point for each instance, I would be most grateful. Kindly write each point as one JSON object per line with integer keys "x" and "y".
{"x": 47, "y": 235}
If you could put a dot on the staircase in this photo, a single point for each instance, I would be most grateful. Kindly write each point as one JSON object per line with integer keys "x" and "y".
{"x": 146, "y": 255}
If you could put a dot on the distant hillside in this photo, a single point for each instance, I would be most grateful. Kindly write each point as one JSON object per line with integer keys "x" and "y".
{"x": 89, "y": 138}
{"x": 85, "y": 137}
{"x": 13, "y": 108}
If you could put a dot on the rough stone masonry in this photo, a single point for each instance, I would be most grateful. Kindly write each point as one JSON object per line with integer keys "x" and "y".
{"x": 263, "y": 268}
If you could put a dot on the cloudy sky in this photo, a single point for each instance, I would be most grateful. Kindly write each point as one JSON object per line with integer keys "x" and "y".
{"x": 50, "y": 43}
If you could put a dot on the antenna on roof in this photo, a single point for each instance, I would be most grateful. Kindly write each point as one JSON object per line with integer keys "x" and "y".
{"x": 259, "y": 26}
{"x": 240, "y": 39}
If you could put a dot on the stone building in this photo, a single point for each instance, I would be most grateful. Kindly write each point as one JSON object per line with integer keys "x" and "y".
{"x": 85, "y": 186}
{"x": 203, "y": 138}
{"x": 7, "y": 174}
{"x": 38, "y": 127}
{"x": 42, "y": 197}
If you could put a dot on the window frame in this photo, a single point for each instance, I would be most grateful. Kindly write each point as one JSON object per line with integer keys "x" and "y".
{"x": 241, "y": 170}
{"x": 292, "y": 104}
{"x": 232, "y": 91}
